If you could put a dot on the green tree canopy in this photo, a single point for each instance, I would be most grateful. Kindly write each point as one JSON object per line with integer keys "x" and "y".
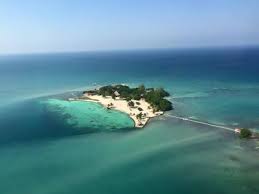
{"x": 154, "y": 96}
{"x": 245, "y": 133}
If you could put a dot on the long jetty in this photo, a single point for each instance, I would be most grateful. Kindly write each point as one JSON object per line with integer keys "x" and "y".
{"x": 201, "y": 122}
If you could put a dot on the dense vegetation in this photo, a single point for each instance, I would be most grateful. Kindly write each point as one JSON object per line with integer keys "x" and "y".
{"x": 245, "y": 133}
{"x": 154, "y": 96}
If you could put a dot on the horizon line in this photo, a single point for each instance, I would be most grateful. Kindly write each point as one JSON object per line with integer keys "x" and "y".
{"x": 131, "y": 50}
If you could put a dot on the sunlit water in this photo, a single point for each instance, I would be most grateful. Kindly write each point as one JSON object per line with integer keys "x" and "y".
{"x": 50, "y": 145}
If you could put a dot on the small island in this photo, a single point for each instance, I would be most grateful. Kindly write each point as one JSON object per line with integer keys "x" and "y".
{"x": 140, "y": 103}
{"x": 245, "y": 133}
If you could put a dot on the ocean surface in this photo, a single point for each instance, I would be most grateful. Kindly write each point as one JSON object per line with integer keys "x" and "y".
{"x": 51, "y": 146}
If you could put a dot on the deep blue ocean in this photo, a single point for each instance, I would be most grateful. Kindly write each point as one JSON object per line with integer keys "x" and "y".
{"x": 48, "y": 145}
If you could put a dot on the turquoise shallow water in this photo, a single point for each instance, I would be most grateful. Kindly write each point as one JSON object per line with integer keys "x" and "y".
{"x": 89, "y": 114}
{"x": 49, "y": 145}
{"x": 161, "y": 158}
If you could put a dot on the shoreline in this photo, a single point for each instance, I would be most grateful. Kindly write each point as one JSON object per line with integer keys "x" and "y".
{"x": 119, "y": 104}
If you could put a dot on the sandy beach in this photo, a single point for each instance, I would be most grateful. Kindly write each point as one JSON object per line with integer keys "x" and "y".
{"x": 140, "y": 106}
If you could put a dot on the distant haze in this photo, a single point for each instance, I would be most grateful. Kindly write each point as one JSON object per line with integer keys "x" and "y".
{"x": 80, "y": 25}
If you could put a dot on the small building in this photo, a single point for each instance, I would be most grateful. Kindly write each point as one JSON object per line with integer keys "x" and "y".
{"x": 237, "y": 130}
{"x": 116, "y": 93}
{"x": 149, "y": 89}
{"x": 90, "y": 92}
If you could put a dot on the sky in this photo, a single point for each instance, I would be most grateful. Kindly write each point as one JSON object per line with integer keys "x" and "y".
{"x": 30, "y": 26}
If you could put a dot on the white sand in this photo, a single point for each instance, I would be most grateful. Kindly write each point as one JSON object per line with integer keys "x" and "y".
{"x": 122, "y": 105}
